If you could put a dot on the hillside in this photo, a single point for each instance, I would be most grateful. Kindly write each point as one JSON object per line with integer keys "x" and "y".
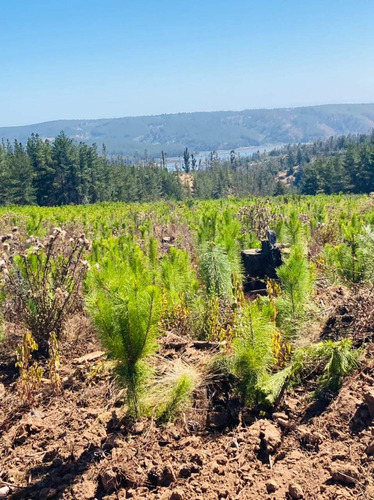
{"x": 207, "y": 131}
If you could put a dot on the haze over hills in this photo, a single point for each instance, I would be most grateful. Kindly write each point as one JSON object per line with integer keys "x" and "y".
{"x": 207, "y": 131}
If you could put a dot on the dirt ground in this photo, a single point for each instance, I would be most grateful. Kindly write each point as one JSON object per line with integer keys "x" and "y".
{"x": 79, "y": 444}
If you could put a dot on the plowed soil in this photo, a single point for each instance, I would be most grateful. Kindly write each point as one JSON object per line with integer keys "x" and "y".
{"x": 80, "y": 445}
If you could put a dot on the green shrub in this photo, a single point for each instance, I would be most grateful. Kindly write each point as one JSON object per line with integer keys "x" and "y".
{"x": 125, "y": 305}
{"x": 178, "y": 278}
{"x": 293, "y": 228}
{"x": 334, "y": 361}
{"x": 367, "y": 245}
{"x": 253, "y": 354}
{"x": 296, "y": 279}
{"x": 215, "y": 272}
{"x": 348, "y": 258}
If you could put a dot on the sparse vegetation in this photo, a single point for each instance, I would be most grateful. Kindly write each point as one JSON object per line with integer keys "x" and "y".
{"x": 160, "y": 291}
{"x": 43, "y": 280}
{"x": 137, "y": 290}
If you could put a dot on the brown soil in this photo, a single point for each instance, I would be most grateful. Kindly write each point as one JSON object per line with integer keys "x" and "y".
{"x": 79, "y": 444}
{"x": 353, "y": 316}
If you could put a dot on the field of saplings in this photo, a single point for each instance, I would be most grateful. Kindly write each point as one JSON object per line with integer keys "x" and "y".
{"x": 182, "y": 350}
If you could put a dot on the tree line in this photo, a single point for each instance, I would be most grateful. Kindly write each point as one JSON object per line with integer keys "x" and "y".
{"x": 350, "y": 172}
{"x": 62, "y": 171}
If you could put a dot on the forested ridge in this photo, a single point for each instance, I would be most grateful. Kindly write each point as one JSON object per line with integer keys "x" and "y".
{"x": 207, "y": 131}
{"x": 62, "y": 171}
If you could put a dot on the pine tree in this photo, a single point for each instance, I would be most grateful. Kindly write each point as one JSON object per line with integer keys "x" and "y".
{"x": 19, "y": 176}
{"x": 40, "y": 154}
{"x": 186, "y": 161}
{"x": 66, "y": 181}
{"x": 3, "y": 190}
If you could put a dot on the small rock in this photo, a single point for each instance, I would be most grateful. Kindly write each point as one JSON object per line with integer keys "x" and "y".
{"x": 113, "y": 441}
{"x": 295, "y": 491}
{"x": 4, "y": 491}
{"x": 271, "y": 436}
{"x": 167, "y": 476}
{"x": 2, "y": 390}
{"x": 370, "y": 449}
{"x": 205, "y": 486}
{"x": 219, "y": 470}
{"x": 185, "y": 471}
{"x": 286, "y": 424}
{"x": 217, "y": 419}
{"x": 84, "y": 490}
{"x": 176, "y": 495}
{"x": 346, "y": 474}
{"x": 339, "y": 454}
{"x": 138, "y": 428}
{"x": 49, "y": 455}
{"x": 280, "y": 415}
{"x": 271, "y": 486}
{"x": 369, "y": 400}
{"x": 109, "y": 480}
{"x": 175, "y": 342}
{"x": 197, "y": 458}
{"x": 206, "y": 345}
{"x": 221, "y": 459}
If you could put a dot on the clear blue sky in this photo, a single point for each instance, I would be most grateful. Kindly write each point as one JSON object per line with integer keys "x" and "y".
{"x": 112, "y": 58}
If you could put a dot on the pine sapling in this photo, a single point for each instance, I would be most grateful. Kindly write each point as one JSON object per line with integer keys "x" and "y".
{"x": 296, "y": 283}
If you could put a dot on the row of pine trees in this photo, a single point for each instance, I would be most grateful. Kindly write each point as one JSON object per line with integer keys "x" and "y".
{"x": 352, "y": 171}
{"x": 63, "y": 172}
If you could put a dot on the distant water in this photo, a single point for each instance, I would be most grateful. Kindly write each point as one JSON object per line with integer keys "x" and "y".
{"x": 224, "y": 154}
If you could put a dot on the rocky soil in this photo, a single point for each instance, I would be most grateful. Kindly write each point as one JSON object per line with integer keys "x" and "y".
{"x": 80, "y": 445}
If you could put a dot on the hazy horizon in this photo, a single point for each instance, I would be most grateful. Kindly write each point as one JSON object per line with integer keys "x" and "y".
{"x": 98, "y": 118}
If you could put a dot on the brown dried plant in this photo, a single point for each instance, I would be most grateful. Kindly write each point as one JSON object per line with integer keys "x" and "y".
{"x": 30, "y": 374}
{"x": 43, "y": 283}
{"x": 54, "y": 364}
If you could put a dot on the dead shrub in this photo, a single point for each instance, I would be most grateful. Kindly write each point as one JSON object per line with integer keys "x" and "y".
{"x": 43, "y": 283}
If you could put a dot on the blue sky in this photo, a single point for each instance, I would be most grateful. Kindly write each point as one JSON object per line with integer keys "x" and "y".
{"x": 111, "y": 58}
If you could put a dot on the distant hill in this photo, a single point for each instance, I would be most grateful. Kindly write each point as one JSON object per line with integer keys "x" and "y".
{"x": 207, "y": 131}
